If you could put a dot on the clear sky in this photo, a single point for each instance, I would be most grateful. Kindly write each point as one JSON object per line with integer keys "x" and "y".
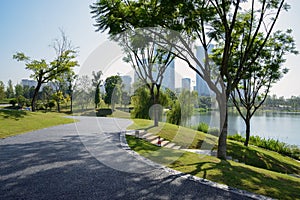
{"x": 31, "y": 26}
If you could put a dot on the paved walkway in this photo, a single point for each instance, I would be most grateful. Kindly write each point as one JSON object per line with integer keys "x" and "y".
{"x": 86, "y": 161}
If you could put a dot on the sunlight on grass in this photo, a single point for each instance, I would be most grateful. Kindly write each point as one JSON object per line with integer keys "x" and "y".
{"x": 253, "y": 179}
{"x": 14, "y": 122}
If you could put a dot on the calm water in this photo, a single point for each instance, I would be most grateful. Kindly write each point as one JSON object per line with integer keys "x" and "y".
{"x": 282, "y": 126}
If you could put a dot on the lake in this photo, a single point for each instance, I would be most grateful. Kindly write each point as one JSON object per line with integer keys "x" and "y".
{"x": 282, "y": 126}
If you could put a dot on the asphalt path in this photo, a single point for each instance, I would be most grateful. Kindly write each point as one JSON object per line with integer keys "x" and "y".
{"x": 85, "y": 160}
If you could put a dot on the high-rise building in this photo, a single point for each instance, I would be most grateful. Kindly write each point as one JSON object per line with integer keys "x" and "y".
{"x": 168, "y": 80}
{"x": 186, "y": 84}
{"x": 201, "y": 86}
{"x": 169, "y": 76}
{"x": 126, "y": 81}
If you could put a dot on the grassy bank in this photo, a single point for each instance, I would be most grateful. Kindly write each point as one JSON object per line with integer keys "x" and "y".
{"x": 14, "y": 122}
{"x": 246, "y": 177}
{"x": 251, "y": 155}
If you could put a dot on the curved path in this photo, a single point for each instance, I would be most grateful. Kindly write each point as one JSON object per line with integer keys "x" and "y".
{"x": 85, "y": 160}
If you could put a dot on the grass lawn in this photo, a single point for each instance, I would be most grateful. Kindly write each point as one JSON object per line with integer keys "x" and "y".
{"x": 252, "y": 155}
{"x": 246, "y": 177}
{"x": 14, "y": 122}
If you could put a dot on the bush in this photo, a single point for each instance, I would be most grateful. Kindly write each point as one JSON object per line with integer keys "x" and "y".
{"x": 213, "y": 131}
{"x": 236, "y": 137}
{"x": 103, "y": 112}
{"x": 13, "y": 102}
{"x": 271, "y": 144}
{"x": 203, "y": 127}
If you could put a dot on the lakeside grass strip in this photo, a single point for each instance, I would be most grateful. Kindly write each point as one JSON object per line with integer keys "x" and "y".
{"x": 241, "y": 176}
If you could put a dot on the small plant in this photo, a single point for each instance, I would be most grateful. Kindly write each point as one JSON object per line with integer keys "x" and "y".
{"x": 213, "y": 131}
{"x": 271, "y": 144}
{"x": 203, "y": 127}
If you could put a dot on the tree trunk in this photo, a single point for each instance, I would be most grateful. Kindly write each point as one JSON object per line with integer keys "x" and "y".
{"x": 222, "y": 142}
{"x": 58, "y": 106}
{"x": 156, "y": 108}
{"x": 247, "y": 122}
{"x": 71, "y": 106}
{"x": 34, "y": 98}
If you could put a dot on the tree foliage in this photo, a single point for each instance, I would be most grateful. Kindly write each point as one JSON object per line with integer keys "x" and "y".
{"x": 255, "y": 85}
{"x": 113, "y": 90}
{"x": 43, "y": 71}
{"x": 97, "y": 83}
{"x": 207, "y": 21}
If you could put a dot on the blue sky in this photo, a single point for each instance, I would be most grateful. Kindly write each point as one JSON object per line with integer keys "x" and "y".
{"x": 31, "y": 25}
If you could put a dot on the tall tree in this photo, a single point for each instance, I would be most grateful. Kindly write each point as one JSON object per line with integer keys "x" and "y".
{"x": 96, "y": 80}
{"x": 82, "y": 91}
{"x": 255, "y": 85}
{"x": 148, "y": 60}
{"x": 113, "y": 90}
{"x": 10, "y": 90}
{"x": 44, "y": 72}
{"x": 208, "y": 21}
{"x": 2, "y": 90}
{"x": 19, "y": 90}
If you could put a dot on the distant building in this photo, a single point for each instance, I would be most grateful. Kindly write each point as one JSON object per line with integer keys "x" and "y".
{"x": 126, "y": 81}
{"x": 169, "y": 76}
{"x": 29, "y": 83}
{"x": 168, "y": 80}
{"x": 201, "y": 86}
{"x": 186, "y": 84}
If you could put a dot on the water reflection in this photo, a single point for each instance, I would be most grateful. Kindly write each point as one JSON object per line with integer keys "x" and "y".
{"x": 277, "y": 125}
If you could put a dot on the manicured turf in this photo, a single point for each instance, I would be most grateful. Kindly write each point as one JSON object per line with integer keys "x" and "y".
{"x": 254, "y": 156}
{"x": 246, "y": 177}
{"x": 14, "y": 122}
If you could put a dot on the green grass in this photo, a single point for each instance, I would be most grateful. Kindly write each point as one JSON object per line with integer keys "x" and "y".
{"x": 252, "y": 155}
{"x": 14, "y": 122}
{"x": 246, "y": 177}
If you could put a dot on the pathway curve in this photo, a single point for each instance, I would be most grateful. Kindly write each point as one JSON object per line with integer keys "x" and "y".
{"x": 85, "y": 160}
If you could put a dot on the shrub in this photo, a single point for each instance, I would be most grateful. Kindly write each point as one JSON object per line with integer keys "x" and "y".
{"x": 103, "y": 112}
{"x": 236, "y": 137}
{"x": 13, "y": 102}
{"x": 203, "y": 127}
{"x": 213, "y": 131}
{"x": 271, "y": 144}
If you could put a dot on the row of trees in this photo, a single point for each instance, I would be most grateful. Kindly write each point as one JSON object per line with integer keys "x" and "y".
{"x": 247, "y": 59}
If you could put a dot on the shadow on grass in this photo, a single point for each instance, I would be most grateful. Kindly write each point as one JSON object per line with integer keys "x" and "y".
{"x": 244, "y": 178}
{"x": 229, "y": 173}
{"x": 251, "y": 156}
{"x": 12, "y": 114}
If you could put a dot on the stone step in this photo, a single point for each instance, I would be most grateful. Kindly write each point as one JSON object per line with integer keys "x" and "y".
{"x": 145, "y": 135}
{"x": 152, "y": 137}
{"x": 176, "y": 147}
{"x": 170, "y": 145}
{"x": 164, "y": 143}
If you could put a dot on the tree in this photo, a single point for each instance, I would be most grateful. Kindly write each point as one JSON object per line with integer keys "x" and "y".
{"x": 10, "y": 90}
{"x": 113, "y": 90}
{"x": 47, "y": 94}
{"x": 44, "y": 72}
{"x": 182, "y": 109}
{"x": 2, "y": 90}
{"x": 255, "y": 85}
{"x": 82, "y": 91}
{"x": 210, "y": 21}
{"x": 19, "y": 90}
{"x": 147, "y": 59}
{"x": 97, "y": 84}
